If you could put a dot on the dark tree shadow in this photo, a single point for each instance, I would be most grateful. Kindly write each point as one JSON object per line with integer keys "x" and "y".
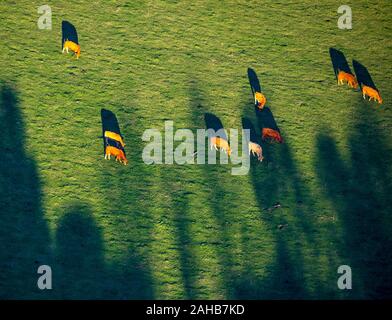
{"x": 178, "y": 194}
{"x": 80, "y": 272}
{"x": 24, "y": 236}
{"x": 110, "y": 123}
{"x": 253, "y": 81}
{"x": 220, "y": 215}
{"x": 188, "y": 262}
{"x": 363, "y": 75}
{"x": 339, "y": 62}
{"x": 68, "y": 32}
{"x": 359, "y": 188}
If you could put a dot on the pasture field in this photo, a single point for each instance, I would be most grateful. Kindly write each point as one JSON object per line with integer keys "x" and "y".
{"x": 194, "y": 231}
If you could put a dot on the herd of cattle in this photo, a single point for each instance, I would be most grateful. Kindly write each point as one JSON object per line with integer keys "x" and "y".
{"x": 114, "y": 142}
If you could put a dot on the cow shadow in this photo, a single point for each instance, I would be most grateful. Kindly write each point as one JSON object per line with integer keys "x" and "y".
{"x": 265, "y": 119}
{"x": 24, "y": 234}
{"x": 253, "y": 81}
{"x": 363, "y": 75}
{"x": 339, "y": 62}
{"x": 110, "y": 123}
{"x": 248, "y": 125}
{"x": 68, "y": 32}
{"x": 214, "y": 123}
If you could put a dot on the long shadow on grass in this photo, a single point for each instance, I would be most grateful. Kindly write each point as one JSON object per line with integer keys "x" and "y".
{"x": 24, "y": 237}
{"x": 360, "y": 189}
{"x": 217, "y": 195}
{"x": 222, "y": 219}
{"x": 179, "y": 194}
{"x": 80, "y": 271}
{"x": 279, "y": 181}
{"x": 126, "y": 193}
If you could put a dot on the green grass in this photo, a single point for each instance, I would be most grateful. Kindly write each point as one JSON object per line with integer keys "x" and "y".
{"x": 177, "y": 232}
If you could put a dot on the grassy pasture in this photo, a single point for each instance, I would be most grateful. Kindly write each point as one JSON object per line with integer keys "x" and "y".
{"x": 192, "y": 231}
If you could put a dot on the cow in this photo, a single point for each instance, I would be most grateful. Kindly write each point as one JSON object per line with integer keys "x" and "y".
{"x": 70, "y": 45}
{"x": 371, "y": 93}
{"x": 349, "y": 78}
{"x": 221, "y": 144}
{"x": 118, "y": 153}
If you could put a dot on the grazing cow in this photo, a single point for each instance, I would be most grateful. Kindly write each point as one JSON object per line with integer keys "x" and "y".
{"x": 221, "y": 144}
{"x": 260, "y": 100}
{"x": 70, "y": 45}
{"x": 371, "y": 93}
{"x": 349, "y": 78}
{"x": 268, "y": 133}
{"x": 256, "y": 150}
{"x": 118, "y": 153}
{"x": 115, "y": 136}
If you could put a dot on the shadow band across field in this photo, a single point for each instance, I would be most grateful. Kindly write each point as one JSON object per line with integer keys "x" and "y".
{"x": 359, "y": 189}
{"x": 24, "y": 235}
{"x": 81, "y": 269}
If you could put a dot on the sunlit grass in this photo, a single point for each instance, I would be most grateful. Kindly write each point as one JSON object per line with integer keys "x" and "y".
{"x": 196, "y": 231}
